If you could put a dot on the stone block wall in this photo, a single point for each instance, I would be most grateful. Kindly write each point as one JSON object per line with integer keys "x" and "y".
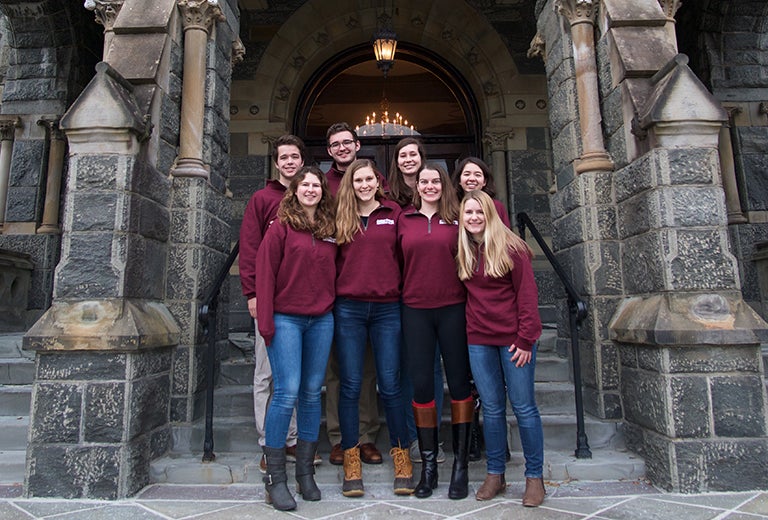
{"x": 98, "y": 419}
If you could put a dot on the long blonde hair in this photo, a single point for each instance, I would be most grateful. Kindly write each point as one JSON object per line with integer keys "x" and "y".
{"x": 347, "y": 217}
{"x": 448, "y": 205}
{"x": 498, "y": 239}
{"x": 290, "y": 211}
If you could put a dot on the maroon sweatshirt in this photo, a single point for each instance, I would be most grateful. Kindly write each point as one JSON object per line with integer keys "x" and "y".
{"x": 259, "y": 214}
{"x": 295, "y": 274}
{"x": 334, "y": 176}
{"x": 367, "y": 268}
{"x": 503, "y": 311}
{"x": 429, "y": 246}
{"x": 502, "y": 211}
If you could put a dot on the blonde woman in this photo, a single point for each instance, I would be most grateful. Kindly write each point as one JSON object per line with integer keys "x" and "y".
{"x": 368, "y": 308}
{"x": 503, "y": 325}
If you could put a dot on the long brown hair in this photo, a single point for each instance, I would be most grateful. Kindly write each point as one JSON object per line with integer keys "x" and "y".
{"x": 399, "y": 191}
{"x": 347, "y": 218}
{"x": 498, "y": 240}
{"x": 448, "y": 206}
{"x": 490, "y": 185}
{"x": 292, "y": 213}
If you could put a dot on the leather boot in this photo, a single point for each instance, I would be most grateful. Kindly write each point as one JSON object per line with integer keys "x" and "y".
{"x": 461, "y": 423}
{"x": 305, "y": 470}
{"x": 275, "y": 480}
{"x": 534, "y": 492}
{"x": 476, "y": 437}
{"x": 353, "y": 473}
{"x": 492, "y": 486}
{"x": 426, "y": 428}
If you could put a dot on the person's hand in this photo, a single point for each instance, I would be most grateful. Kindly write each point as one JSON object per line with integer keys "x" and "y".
{"x": 252, "y": 307}
{"x": 520, "y": 357}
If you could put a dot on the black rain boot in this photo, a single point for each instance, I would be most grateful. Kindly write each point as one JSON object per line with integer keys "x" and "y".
{"x": 426, "y": 428}
{"x": 461, "y": 423}
{"x": 305, "y": 471}
{"x": 275, "y": 480}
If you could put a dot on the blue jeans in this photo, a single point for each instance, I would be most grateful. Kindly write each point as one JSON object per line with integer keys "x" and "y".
{"x": 356, "y": 323}
{"x": 298, "y": 356}
{"x": 492, "y": 369}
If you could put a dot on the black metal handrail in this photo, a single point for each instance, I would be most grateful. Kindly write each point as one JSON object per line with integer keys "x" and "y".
{"x": 207, "y": 317}
{"x": 577, "y": 311}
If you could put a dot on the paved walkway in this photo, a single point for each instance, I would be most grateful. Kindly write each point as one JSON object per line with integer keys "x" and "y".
{"x": 623, "y": 500}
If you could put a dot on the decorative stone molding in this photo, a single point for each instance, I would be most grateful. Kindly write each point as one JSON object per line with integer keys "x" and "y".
{"x": 8, "y": 126}
{"x": 200, "y": 14}
{"x": 496, "y": 140}
{"x": 56, "y": 149}
{"x": 577, "y": 11}
{"x": 670, "y": 7}
{"x": 537, "y": 49}
{"x": 106, "y": 11}
{"x": 238, "y": 52}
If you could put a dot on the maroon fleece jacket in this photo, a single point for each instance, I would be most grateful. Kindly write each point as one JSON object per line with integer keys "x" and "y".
{"x": 429, "y": 247}
{"x": 503, "y": 311}
{"x": 295, "y": 274}
{"x": 367, "y": 268}
{"x": 259, "y": 214}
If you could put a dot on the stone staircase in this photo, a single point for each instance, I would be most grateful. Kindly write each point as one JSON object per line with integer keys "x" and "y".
{"x": 238, "y": 453}
{"x": 16, "y": 375}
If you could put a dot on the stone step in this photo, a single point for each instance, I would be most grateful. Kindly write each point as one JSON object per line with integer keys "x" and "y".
{"x": 13, "y": 432}
{"x": 238, "y": 434}
{"x": 15, "y": 399}
{"x": 233, "y": 468}
{"x": 10, "y": 346}
{"x": 16, "y": 371}
{"x": 12, "y": 463}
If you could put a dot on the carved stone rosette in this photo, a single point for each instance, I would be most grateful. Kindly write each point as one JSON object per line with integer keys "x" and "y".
{"x": 200, "y": 14}
{"x": 106, "y": 11}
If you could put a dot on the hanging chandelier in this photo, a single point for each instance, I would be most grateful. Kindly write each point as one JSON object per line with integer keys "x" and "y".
{"x": 381, "y": 123}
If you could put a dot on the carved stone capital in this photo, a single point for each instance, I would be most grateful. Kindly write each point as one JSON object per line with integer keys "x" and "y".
{"x": 670, "y": 7}
{"x": 577, "y": 11}
{"x": 8, "y": 127}
{"x": 496, "y": 139}
{"x": 51, "y": 125}
{"x": 200, "y": 14}
{"x": 538, "y": 47}
{"x": 238, "y": 52}
{"x": 106, "y": 11}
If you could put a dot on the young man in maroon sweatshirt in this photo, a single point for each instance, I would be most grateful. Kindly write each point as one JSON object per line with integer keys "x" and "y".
{"x": 288, "y": 155}
{"x": 343, "y": 145}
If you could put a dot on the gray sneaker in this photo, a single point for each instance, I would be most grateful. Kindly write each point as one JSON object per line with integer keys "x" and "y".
{"x": 440, "y": 454}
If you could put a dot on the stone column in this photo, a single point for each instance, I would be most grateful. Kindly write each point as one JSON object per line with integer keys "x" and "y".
{"x": 8, "y": 126}
{"x": 581, "y": 15}
{"x": 198, "y": 17}
{"x": 57, "y": 147}
{"x": 728, "y": 171}
{"x": 496, "y": 141}
{"x": 670, "y": 7}
{"x": 106, "y": 12}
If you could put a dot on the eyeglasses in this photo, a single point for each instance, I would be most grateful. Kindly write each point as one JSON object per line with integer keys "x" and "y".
{"x": 346, "y": 143}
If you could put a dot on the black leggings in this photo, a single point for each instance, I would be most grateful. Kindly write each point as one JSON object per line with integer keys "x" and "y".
{"x": 423, "y": 331}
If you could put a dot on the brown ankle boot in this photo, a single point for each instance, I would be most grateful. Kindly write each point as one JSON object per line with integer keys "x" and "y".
{"x": 534, "y": 492}
{"x": 403, "y": 471}
{"x": 492, "y": 486}
{"x": 353, "y": 474}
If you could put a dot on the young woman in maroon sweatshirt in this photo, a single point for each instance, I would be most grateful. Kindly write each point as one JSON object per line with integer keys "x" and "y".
{"x": 368, "y": 307}
{"x": 502, "y": 318}
{"x": 472, "y": 173}
{"x": 295, "y": 290}
{"x": 433, "y": 314}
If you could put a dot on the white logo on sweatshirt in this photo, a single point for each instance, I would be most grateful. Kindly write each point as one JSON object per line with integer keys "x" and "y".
{"x": 385, "y": 222}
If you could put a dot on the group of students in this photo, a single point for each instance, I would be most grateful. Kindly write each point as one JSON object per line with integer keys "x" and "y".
{"x": 331, "y": 258}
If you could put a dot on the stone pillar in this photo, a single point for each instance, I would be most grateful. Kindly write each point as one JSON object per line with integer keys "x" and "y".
{"x": 670, "y": 7}
{"x": 56, "y": 149}
{"x": 101, "y": 394}
{"x": 688, "y": 343}
{"x": 106, "y": 12}
{"x": 728, "y": 171}
{"x": 581, "y": 15}
{"x": 198, "y": 17}
{"x": 8, "y": 126}
{"x": 496, "y": 141}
